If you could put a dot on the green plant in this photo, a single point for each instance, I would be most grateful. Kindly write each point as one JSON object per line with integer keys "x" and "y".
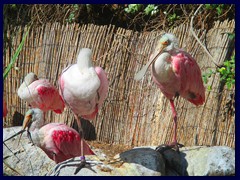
{"x": 227, "y": 73}
{"x": 71, "y": 17}
{"x": 151, "y": 9}
{"x": 218, "y": 7}
{"x": 133, "y": 8}
{"x": 206, "y": 76}
{"x": 173, "y": 17}
{"x": 15, "y": 56}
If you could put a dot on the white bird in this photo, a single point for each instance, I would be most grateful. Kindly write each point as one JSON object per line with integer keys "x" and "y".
{"x": 83, "y": 87}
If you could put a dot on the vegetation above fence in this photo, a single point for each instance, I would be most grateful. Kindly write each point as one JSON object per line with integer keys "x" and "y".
{"x": 138, "y": 17}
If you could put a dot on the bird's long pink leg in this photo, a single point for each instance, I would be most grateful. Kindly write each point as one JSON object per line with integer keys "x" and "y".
{"x": 82, "y": 158}
{"x": 174, "y": 144}
{"x": 175, "y": 121}
{"x": 80, "y": 129}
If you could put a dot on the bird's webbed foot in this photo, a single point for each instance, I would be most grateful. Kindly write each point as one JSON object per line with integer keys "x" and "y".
{"x": 61, "y": 165}
{"x": 81, "y": 165}
{"x": 73, "y": 162}
{"x": 85, "y": 164}
{"x": 173, "y": 145}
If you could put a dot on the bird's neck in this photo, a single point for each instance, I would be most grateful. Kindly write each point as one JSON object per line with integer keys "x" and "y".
{"x": 35, "y": 132}
{"x": 38, "y": 120}
{"x": 172, "y": 49}
{"x": 25, "y": 83}
{"x": 84, "y": 62}
{"x": 36, "y": 137}
{"x": 161, "y": 68}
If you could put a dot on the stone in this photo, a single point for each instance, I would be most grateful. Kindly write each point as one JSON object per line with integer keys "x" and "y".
{"x": 28, "y": 160}
{"x": 142, "y": 161}
{"x": 202, "y": 161}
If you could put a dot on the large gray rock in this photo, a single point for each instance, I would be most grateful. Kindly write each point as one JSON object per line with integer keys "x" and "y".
{"x": 26, "y": 159}
{"x": 202, "y": 161}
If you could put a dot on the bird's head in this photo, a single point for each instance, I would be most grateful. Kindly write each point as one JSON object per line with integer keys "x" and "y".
{"x": 27, "y": 119}
{"x": 30, "y": 77}
{"x": 33, "y": 119}
{"x": 86, "y": 52}
{"x": 167, "y": 42}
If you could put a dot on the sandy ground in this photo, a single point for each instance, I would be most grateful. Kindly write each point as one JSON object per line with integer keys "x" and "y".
{"x": 109, "y": 149}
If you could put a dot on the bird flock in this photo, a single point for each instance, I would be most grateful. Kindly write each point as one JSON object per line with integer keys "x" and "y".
{"x": 83, "y": 88}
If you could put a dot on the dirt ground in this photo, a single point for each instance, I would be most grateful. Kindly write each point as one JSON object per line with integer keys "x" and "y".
{"x": 109, "y": 149}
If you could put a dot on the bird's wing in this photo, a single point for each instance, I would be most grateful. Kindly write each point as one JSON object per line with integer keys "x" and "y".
{"x": 101, "y": 92}
{"x": 189, "y": 73}
{"x": 49, "y": 96}
{"x": 68, "y": 141}
{"x": 61, "y": 82}
{"x": 103, "y": 89}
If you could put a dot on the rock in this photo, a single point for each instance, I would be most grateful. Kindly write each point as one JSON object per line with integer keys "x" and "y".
{"x": 136, "y": 162}
{"x": 140, "y": 161}
{"x": 202, "y": 161}
{"x": 29, "y": 160}
{"x": 143, "y": 161}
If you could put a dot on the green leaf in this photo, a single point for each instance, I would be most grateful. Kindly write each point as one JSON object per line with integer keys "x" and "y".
{"x": 229, "y": 85}
{"x": 133, "y": 8}
{"x": 75, "y": 7}
{"x": 219, "y": 10}
{"x": 13, "y": 6}
{"x": 15, "y": 56}
{"x": 208, "y": 6}
{"x": 151, "y": 9}
{"x": 209, "y": 88}
{"x": 231, "y": 36}
{"x": 205, "y": 80}
{"x": 222, "y": 70}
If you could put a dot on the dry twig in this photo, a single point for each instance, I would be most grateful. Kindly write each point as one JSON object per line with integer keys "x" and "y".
{"x": 198, "y": 40}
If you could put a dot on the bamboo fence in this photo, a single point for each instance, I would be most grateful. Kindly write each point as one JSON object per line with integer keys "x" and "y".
{"x": 134, "y": 113}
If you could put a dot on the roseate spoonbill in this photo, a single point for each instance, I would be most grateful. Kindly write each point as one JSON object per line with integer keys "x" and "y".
{"x": 176, "y": 73}
{"x": 40, "y": 93}
{"x": 57, "y": 140}
{"x": 83, "y": 88}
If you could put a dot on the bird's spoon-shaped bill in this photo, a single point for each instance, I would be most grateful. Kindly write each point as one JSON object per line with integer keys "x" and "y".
{"x": 20, "y": 132}
{"x": 143, "y": 71}
{"x": 26, "y": 122}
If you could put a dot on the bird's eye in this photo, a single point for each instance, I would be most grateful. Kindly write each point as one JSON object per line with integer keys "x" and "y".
{"x": 165, "y": 42}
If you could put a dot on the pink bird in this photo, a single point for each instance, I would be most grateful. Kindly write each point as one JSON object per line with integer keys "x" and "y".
{"x": 176, "y": 73}
{"x": 40, "y": 93}
{"x": 83, "y": 88}
{"x": 57, "y": 140}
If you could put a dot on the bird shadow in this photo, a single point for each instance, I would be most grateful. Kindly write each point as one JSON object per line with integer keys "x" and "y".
{"x": 88, "y": 129}
{"x": 143, "y": 156}
{"x": 17, "y": 119}
{"x": 175, "y": 162}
